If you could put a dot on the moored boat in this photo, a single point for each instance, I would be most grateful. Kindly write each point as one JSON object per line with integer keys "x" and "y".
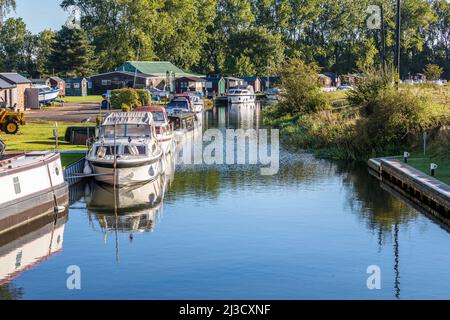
{"x": 32, "y": 186}
{"x": 164, "y": 130}
{"x": 241, "y": 95}
{"x": 46, "y": 94}
{"x": 127, "y": 151}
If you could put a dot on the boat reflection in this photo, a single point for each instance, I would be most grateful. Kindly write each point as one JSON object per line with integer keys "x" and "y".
{"x": 245, "y": 116}
{"x": 29, "y": 245}
{"x": 132, "y": 209}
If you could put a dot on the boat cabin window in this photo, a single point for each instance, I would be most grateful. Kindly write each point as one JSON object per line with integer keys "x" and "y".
{"x": 126, "y": 130}
{"x": 104, "y": 151}
{"x": 158, "y": 116}
{"x": 17, "y": 187}
{"x": 134, "y": 151}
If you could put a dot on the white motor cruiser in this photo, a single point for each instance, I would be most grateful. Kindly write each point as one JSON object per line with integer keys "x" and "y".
{"x": 127, "y": 151}
{"x": 241, "y": 95}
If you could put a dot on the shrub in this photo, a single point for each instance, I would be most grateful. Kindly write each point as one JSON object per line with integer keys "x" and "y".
{"x": 395, "y": 117}
{"x": 144, "y": 97}
{"x": 127, "y": 97}
{"x": 302, "y": 89}
{"x": 368, "y": 88}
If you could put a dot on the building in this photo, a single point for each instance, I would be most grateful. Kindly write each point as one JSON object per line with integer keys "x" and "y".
{"x": 57, "y": 83}
{"x": 103, "y": 82}
{"x": 76, "y": 87}
{"x": 233, "y": 82}
{"x": 162, "y": 73}
{"x": 270, "y": 82}
{"x": 190, "y": 84}
{"x": 335, "y": 79}
{"x": 14, "y": 92}
{"x": 215, "y": 87}
{"x": 255, "y": 82}
{"x": 6, "y": 92}
{"x": 325, "y": 81}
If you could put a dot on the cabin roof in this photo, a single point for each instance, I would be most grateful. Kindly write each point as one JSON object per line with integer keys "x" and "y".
{"x": 150, "y": 109}
{"x": 154, "y": 68}
{"x": 194, "y": 79}
{"x": 127, "y": 73}
{"x": 250, "y": 78}
{"x": 133, "y": 118}
{"x": 6, "y": 85}
{"x": 57, "y": 79}
{"x": 14, "y": 78}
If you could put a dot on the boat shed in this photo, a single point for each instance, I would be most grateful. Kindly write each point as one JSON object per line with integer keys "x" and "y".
{"x": 15, "y": 96}
{"x": 103, "y": 82}
{"x": 57, "y": 83}
{"x": 190, "y": 84}
{"x": 6, "y": 92}
{"x": 255, "y": 82}
{"x": 215, "y": 87}
{"x": 76, "y": 87}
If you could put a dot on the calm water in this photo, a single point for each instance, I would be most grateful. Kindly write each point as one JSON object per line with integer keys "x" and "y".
{"x": 226, "y": 232}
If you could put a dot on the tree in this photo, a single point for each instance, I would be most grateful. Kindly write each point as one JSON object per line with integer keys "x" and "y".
{"x": 14, "y": 38}
{"x": 6, "y": 6}
{"x": 262, "y": 49}
{"x": 433, "y": 72}
{"x": 72, "y": 54}
{"x": 300, "y": 80}
{"x": 44, "y": 43}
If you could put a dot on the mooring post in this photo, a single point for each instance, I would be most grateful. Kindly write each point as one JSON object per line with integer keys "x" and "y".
{"x": 406, "y": 155}
{"x": 433, "y": 168}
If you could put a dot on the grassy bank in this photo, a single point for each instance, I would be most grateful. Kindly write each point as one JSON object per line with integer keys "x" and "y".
{"x": 38, "y": 136}
{"x": 83, "y": 99}
{"x": 423, "y": 164}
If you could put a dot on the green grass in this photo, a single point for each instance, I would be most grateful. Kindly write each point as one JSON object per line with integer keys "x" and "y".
{"x": 83, "y": 99}
{"x": 70, "y": 158}
{"x": 422, "y": 163}
{"x": 38, "y": 136}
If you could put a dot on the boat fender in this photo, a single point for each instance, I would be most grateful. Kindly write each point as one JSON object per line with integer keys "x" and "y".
{"x": 87, "y": 168}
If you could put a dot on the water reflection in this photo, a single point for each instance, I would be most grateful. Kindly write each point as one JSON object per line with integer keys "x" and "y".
{"x": 27, "y": 246}
{"x": 132, "y": 209}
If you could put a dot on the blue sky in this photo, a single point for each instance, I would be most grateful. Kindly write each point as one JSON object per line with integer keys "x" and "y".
{"x": 41, "y": 14}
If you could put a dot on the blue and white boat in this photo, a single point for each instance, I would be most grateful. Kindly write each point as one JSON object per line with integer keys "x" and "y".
{"x": 47, "y": 94}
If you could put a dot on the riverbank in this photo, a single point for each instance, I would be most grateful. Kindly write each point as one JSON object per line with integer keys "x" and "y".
{"x": 38, "y": 136}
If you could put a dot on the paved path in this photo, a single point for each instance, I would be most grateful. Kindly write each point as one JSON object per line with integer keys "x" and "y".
{"x": 74, "y": 113}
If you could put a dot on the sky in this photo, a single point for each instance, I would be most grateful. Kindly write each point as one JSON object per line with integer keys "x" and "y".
{"x": 40, "y": 15}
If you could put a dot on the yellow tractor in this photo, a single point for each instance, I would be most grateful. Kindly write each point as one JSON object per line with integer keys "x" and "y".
{"x": 10, "y": 121}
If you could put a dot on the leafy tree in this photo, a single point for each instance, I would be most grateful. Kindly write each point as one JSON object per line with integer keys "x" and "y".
{"x": 242, "y": 66}
{"x": 302, "y": 95}
{"x": 6, "y": 6}
{"x": 44, "y": 44}
{"x": 14, "y": 38}
{"x": 72, "y": 55}
{"x": 433, "y": 72}
{"x": 260, "y": 46}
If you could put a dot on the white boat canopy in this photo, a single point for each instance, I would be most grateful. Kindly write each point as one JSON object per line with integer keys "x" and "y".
{"x": 129, "y": 118}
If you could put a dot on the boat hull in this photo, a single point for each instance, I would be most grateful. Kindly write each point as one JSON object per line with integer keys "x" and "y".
{"x": 33, "y": 207}
{"x": 48, "y": 96}
{"x": 237, "y": 99}
{"x": 126, "y": 174}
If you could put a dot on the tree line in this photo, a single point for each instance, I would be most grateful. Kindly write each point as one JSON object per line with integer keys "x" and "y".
{"x": 236, "y": 37}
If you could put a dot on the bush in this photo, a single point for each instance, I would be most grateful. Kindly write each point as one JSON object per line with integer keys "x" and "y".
{"x": 368, "y": 89}
{"x": 125, "y": 97}
{"x": 302, "y": 89}
{"x": 144, "y": 97}
{"x": 395, "y": 117}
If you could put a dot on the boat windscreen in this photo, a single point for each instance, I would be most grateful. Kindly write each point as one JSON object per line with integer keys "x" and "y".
{"x": 126, "y": 130}
{"x": 158, "y": 116}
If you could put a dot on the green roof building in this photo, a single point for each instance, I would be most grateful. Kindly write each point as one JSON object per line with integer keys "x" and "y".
{"x": 157, "y": 69}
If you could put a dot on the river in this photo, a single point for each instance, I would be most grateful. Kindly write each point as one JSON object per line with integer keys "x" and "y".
{"x": 313, "y": 231}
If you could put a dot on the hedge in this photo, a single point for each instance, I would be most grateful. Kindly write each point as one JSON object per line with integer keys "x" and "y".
{"x": 126, "y": 99}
